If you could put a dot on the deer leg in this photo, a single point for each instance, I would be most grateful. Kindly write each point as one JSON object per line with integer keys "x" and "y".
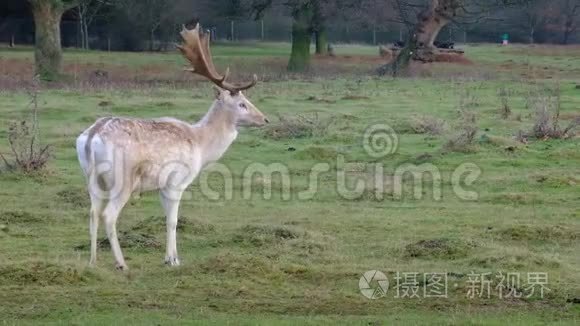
{"x": 110, "y": 215}
{"x": 170, "y": 202}
{"x": 96, "y": 211}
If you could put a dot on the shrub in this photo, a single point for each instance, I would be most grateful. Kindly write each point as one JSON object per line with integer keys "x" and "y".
{"x": 28, "y": 155}
{"x": 503, "y": 94}
{"x": 428, "y": 125}
{"x": 547, "y": 118}
{"x": 464, "y": 140}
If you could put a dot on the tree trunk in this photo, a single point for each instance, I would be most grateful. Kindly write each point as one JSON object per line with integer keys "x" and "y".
{"x": 152, "y": 40}
{"x": 318, "y": 25}
{"x": 86, "y": 33}
{"x": 420, "y": 43}
{"x": 48, "y": 50}
{"x": 567, "y": 30}
{"x": 400, "y": 64}
{"x": 321, "y": 41}
{"x": 81, "y": 14}
{"x": 301, "y": 38}
{"x": 430, "y": 23}
{"x": 566, "y": 37}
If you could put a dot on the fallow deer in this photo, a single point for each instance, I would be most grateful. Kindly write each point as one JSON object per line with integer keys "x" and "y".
{"x": 121, "y": 156}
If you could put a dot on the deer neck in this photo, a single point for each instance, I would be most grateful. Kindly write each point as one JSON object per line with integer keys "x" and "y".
{"x": 217, "y": 131}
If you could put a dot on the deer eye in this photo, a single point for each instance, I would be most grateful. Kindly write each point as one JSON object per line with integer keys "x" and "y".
{"x": 243, "y": 106}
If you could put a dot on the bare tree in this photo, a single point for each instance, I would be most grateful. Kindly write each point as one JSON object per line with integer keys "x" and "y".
{"x": 156, "y": 12}
{"x": 148, "y": 19}
{"x": 88, "y": 11}
{"x": 426, "y": 18}
{"x": 309, "y": 18}
{"x": 535, "y": 14}
{"x": 569, "y": 11}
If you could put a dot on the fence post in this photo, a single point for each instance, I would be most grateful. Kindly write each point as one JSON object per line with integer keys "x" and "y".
{"x": 262, "y": 29}
{"x": 232, "y": 30}
{"x": 374, "y": 36}
{"x": 401, "y": 34}
{"x": 347, "y": 30}
{"x": 464, "y": 37}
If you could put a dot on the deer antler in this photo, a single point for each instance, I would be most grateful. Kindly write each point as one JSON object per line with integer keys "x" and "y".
{"x": 196, "y": 51}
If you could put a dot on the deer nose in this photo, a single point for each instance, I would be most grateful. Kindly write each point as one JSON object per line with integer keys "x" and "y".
{"x": 266, "y": 120}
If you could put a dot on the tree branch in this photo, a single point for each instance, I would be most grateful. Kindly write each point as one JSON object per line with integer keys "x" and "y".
{"x": 70, "y": 4}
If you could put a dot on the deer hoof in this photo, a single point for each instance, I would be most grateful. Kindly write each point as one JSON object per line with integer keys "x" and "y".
{"x": 122, "y": 267}
{"x": 172, "y": 261}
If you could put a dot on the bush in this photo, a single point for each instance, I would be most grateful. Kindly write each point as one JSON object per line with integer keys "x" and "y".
{"x": 28, "y": 155}
{"x": 547, "y": 118}
{"x": 428, "y": 125}
{"x": 464, "y": 140}
{"x": 503, "y": 94}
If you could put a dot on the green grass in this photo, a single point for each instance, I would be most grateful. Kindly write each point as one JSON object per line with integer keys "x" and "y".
{"x": 220, "y": 51}
{"x": 257, "y": 261}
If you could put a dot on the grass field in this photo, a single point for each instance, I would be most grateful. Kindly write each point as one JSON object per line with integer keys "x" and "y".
{"x": 296, "y": 261}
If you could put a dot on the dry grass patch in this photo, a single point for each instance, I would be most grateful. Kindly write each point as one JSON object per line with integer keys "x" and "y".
{"x": 300, "y": 126}
{"x": 514, "y": 261}
{"x": 44, "y": 274}
{"x": 295, "y": 239}
{"x": 317, "y": 153}
{"x": 442, "y": 248}
{"x": 555, "y": 233}
{"x": 74, "y": 196}
{"x": 156, "y": 224}
{"x": 127, "y": 239}
{"x": 19, "y": 217}
{"x": 515, "y": 198}
{"x": 241, "y": 265}
{"x": 259, "y": 235}
{"x": 508, "y": 144}
{"x": 428, "y": 125}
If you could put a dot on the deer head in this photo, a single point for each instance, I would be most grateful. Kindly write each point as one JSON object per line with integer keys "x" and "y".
{"x": 196, "y": 50}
